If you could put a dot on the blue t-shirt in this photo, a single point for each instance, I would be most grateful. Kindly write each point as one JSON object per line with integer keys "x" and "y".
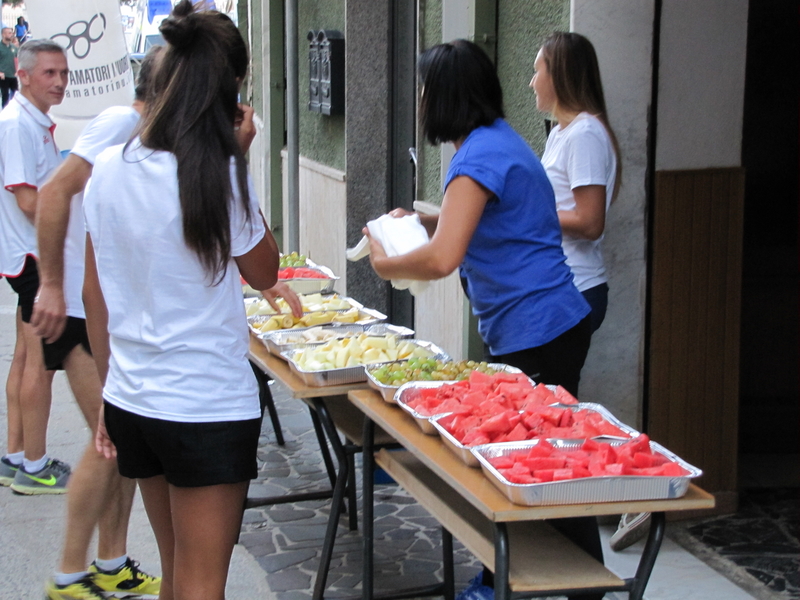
{"x": 517, "y": 278}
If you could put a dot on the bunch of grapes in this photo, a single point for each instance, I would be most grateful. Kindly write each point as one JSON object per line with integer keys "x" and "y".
{"x": 293, "y": 259}
{"x": 427, "y": 369}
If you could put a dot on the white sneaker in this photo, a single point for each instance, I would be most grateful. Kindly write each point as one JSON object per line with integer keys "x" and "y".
{"x": 632, "y": 527}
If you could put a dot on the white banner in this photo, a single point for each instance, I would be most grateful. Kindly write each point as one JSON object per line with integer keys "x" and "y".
{"x": 100, "y": 75}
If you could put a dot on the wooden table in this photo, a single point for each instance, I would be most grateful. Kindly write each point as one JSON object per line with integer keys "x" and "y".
{"x": 528, "y": 556}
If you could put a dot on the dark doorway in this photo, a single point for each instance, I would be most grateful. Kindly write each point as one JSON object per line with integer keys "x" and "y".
{"x": 769, "y": 423}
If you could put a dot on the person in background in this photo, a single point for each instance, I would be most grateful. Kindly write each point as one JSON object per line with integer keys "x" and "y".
{"x": 22, "y": 30}
{"x": 99, "y": 498}
{"x": 498, "y": 224}
{"x": 581, "y": 158}
{"x": 8, "y": 65}
{"x": 172, "y": 221}
{"x": 28, "y": 155}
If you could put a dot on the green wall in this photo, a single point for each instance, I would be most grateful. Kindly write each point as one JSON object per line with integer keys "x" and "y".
{"x": 522, "y": 27}
{"x": 429, "y": 184}
{"x": 322, "y": 137}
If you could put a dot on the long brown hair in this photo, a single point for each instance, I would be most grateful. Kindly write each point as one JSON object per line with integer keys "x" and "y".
{"x": 573, "y": 67}
{"x": 195, "y": 91}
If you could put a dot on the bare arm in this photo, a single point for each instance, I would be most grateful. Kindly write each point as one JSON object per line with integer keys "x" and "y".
{"x": 259, "y": 266}
{"x": 52, "y": 218}
{"x": 588, "y": 220}
{"x": 464, "y": 201}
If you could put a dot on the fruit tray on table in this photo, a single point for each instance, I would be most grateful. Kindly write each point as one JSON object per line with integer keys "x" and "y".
{"x": 587, "y": 489}
{"x": 278, "y": 342}
{"x": 589, "y": 421}
{"x": 421, "y": 399}
{"x": 355, "y": 314}
{"x": 348, "y": 374}
{"x": 418, "y": 373}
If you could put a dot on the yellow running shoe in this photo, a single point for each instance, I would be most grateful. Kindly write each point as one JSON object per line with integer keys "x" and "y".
{"x": 83, "y": 589}
{"x": 128, "y": 579}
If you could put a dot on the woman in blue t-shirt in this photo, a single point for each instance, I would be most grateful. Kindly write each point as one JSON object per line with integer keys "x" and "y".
{"x": 498, "y": 225}
{"x": 21, "y": 30}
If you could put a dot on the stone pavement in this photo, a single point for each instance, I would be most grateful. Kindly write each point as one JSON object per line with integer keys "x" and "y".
{"x": 31, "y": 527}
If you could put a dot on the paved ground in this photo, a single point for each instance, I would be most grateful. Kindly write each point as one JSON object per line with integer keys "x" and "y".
{"x": 31, "y": 527}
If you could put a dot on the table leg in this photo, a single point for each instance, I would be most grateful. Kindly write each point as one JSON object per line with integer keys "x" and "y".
{"x": 339, "y": 489}
{"x": 265, "y": 397}
{"x": 367, "y": 507}
{"x": 501, "y": 562}
{"x": 323, "y": 444}
{"x": 649, "y": 554}
{"x": 448, "y": 576}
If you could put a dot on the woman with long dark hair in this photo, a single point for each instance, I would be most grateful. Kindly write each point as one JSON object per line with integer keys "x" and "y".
{"x": 498, "y": 225}
{"x": 581, "y": 157}
{"x": 172, "y": 222}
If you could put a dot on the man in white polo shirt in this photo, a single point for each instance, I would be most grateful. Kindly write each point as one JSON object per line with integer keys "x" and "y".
{"x": 28, "y": 155}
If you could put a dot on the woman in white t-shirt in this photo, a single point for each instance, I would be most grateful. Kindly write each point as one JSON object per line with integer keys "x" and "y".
{"x": 581, "y": 157}
{"x": 172, "y": 222}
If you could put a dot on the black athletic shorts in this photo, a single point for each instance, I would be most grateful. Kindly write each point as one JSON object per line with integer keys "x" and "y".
{"x": 26, "y": 284}
{"x": 74, "y": 334}
{"x": 187, "y": 454}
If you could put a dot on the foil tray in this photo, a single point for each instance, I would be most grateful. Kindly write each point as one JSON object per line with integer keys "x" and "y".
{"x": 309, "y": 285}
{"x": 468, "y": 457}
{"x": 366, "y": 316}
{"x": 353, "y": 304}
{"x": 622, "y": 488}
{"x": 276, "y": 341}
{"x": 388, "y": 392}
{"x": 407, "y": 391}
{"x": 346, "y": 375}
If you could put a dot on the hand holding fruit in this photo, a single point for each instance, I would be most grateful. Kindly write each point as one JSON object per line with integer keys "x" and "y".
{"x": 282, "y": 290}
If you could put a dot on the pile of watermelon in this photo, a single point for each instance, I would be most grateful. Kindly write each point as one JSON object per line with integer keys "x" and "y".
{"x": 544, "y": 462}
{"x": 477, "y": 426}
{"x": 491, "y": 394}
{"x": 300, "y": 273}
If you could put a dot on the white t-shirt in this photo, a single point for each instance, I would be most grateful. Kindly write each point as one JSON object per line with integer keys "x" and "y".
{"x": 28, "y": 155}
{"x": 113, "y": 126}
{"x": 178, "y": 344}
{"x": 581, "y": 154}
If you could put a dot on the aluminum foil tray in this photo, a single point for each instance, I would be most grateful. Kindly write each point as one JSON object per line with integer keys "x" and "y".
{"x": 588, "y": 489}
{"x": 308, "y": 285}
{"x": 348, "y": 374}
{"x": 388, "y": 392}
{"x": 468, "y": 457}
{"x": 277, "y": 341}
{"x": 606, "y": 414}
{"x": 406, "y": 392}
{"x": 366, "y": 316}
{"x": 353, "y": 304}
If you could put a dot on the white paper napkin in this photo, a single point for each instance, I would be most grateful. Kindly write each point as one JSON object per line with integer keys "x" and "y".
{"x": 398, "y": 236}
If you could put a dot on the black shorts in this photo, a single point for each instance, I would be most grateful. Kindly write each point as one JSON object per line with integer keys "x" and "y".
{"x": 187, "y": 454}
{"x": 26, "y": 284}
{"x": 74, "y": 334}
